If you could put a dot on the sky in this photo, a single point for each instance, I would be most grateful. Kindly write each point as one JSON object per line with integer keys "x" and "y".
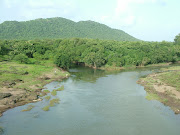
{"x": 149, "y": 20}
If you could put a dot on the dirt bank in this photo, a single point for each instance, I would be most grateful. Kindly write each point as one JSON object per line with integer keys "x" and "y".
{"x": 11, "y": 95}
{"x": 166, "y": 90}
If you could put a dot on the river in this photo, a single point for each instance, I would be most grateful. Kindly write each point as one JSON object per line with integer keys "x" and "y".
{"x": 95, "y": 102}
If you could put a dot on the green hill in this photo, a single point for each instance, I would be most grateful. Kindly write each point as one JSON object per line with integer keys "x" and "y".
{"x": 52, "y": 28}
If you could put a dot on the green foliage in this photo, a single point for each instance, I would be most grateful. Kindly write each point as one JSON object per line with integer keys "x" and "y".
{"x": 63, "y": 60}
{"x": 177, "y": 39}
{"x": 22, "y": 58}
{"x": 98, "y": 53}
{"x": 152, "y": 96}
{"x": 90, "y": 52}
{"x": 54, "y": 28}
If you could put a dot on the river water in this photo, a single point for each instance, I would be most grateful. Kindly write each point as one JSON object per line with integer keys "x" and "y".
{"x": 95, "y": 102}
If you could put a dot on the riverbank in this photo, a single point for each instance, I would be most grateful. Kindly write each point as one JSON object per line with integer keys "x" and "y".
{"x": 113, "y": 68}
{"x": 22, "y": 83}
{"x": 164, "y": 86}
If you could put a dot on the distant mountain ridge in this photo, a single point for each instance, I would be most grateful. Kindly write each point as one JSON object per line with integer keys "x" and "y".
{"x": 52, "y": 28}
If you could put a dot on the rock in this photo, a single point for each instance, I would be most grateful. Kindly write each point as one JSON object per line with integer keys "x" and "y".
{"x": 19, "y": 80}
{"x": 9, "y": 84}
{"x": 39, "y": 99}
{"x": 25, "y": 73}
{"x": 5, "y": 95}
{"x": 33, "y": 96}
{"x": 47, "y": 78}
{"x": 177, "y": 111}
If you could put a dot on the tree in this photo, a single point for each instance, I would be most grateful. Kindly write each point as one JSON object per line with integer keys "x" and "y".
{"x": 177, "y": 39}
{"x": 63, "y": 60}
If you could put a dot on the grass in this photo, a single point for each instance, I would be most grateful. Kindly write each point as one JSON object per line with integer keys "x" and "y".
{"x": 47, "y": 97}
{"x": 165, "y": 101}
{"x": 46, "y": 91}
{"x": 60, "y": 89}
{"x": 171, "y": 78}
{"x": 43, "y": 94}
{"x": 30, "y": 107}
{"x": 156, "y": 65}
{"x": 30, "y": 74}
{"x": 54, "y": 93}
{"x": 46, "y": 108}
{"x": 152, "y": 96}
{"x": 53, "y": 102}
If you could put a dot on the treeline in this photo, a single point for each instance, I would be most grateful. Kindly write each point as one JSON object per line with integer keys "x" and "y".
{"x": 94, "y": 53}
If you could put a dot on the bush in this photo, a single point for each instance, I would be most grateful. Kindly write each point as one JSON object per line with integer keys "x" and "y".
{"x": 22, "y": 58}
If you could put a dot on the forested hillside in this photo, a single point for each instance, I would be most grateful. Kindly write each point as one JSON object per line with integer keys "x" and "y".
{"x": 91, "y": 52}
{"x": 55, "y": 28}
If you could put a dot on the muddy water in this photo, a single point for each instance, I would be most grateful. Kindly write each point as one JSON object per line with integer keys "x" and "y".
{"x": 95, "y": 103}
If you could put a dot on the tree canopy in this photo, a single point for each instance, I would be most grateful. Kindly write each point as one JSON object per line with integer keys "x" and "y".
{"x": 92, "y": 52}
{"x": 177, "y": 39}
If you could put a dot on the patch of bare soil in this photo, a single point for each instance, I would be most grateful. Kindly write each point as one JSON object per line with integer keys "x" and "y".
{"x": 10, "y": 98}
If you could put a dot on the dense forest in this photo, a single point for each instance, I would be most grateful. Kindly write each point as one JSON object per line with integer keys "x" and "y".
{"x": 55, "y": 28}
{"x": 91, "y": 52}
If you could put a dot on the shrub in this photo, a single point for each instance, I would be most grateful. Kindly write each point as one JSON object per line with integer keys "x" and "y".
{"x": 22, "y": 58}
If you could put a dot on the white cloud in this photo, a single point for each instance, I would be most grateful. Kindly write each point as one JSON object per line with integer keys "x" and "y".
{"x": 125, "y": 10}
{"x": 40, "y": 3}
{"x": 124, "y": 6}
{"x": 32, "y": 9}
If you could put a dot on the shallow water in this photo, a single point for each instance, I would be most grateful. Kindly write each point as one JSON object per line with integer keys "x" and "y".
{"x": 95, "y": 102}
